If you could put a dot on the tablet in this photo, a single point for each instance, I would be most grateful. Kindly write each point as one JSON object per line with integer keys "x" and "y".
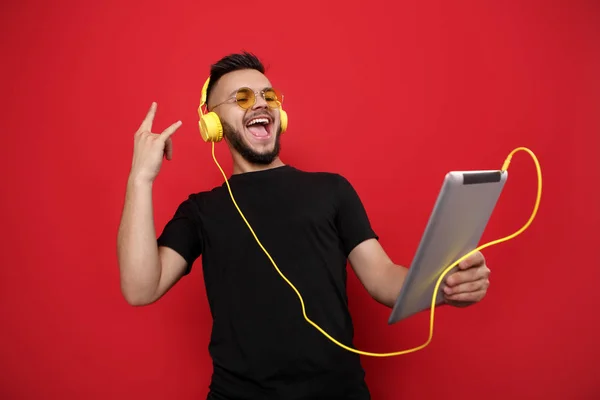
{"x": 461, "y": 212}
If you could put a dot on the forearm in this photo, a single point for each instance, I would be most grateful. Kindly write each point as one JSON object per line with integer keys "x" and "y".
{"x": 388, "y": 284}
{"x": 137, "y": 250}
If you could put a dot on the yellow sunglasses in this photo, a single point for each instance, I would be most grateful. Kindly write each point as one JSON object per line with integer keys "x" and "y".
{"x": 246, "y": 98}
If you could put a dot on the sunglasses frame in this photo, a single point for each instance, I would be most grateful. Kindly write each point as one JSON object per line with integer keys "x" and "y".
{"x": 255, "y": 96}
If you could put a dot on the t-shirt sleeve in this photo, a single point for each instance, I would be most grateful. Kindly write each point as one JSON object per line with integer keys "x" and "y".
{"x": 352, "y": 221}
{"x": 182, "y": 232}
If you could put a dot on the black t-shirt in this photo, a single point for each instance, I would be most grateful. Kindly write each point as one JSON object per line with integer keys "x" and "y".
{"x": 261, "y": 345}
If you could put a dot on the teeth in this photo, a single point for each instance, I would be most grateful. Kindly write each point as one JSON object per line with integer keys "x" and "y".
{"x": 258, "y": 121}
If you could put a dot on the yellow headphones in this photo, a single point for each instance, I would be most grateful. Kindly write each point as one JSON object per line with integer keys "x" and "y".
{"x": 210, "y": 124}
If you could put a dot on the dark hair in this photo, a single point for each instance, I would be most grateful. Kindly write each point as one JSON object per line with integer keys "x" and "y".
{"x": 230, "y": 63}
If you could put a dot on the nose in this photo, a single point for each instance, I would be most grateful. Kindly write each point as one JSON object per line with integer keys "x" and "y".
{"x": 260, "y": 101}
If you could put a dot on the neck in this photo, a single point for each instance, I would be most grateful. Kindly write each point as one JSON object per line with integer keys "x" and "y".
{"x": 241, "y": 165}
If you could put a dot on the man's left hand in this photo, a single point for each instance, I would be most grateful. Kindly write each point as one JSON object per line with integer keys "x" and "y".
{"x": 469, "y": 284}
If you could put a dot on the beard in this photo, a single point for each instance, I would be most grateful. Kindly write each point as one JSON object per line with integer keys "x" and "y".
{"x": 236, "y": 140}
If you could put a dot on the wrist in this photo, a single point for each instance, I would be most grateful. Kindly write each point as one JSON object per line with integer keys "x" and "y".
{"x": 138, "y": 181}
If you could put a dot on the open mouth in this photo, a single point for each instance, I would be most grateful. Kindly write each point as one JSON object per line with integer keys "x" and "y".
{"x": 260, "y": 127}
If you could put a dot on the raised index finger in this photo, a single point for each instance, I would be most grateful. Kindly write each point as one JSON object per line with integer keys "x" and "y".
{"x": 147, "y": 122}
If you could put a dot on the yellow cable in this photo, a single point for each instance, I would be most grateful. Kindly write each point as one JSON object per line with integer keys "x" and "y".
{"x": 504, "y": 168}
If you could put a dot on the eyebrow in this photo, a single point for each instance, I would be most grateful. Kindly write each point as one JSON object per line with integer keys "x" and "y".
{"x": 235, "y": 91}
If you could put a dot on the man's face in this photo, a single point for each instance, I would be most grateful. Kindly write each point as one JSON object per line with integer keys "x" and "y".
{"x": 257, "y": 143}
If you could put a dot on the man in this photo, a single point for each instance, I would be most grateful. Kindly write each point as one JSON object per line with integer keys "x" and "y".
{"x": 311, "y": 224}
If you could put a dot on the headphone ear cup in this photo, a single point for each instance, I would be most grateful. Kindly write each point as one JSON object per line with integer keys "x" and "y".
{"x": 284, "y": 120}
{"x": 211, "y": 128}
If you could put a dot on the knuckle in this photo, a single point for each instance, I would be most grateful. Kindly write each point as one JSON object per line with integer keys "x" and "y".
{"x": 144, "y": 134}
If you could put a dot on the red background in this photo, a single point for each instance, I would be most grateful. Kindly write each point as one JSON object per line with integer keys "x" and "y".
{"x": 401, "y": 91}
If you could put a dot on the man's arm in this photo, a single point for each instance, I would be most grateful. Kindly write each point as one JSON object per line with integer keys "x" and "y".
{"x": 379, "y": 275}
{"x": 147, "y": 271}
{"x": 383, "y": 279}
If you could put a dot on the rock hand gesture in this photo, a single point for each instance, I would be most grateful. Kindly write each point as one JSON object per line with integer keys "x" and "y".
{"x": 150, "y": 148}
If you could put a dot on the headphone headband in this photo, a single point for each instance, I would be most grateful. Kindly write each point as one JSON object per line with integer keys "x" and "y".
{"x": 204, "y": 92}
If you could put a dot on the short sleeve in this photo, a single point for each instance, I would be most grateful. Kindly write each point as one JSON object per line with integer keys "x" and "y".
{"x": 182, "y": 233}
{"x": 352, "y": 221}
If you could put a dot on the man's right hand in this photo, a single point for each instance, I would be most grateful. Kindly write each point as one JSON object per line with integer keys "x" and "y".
{"x": 150, "y": 148}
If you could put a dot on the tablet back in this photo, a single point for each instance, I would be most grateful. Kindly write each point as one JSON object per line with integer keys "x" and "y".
{"x": 462, "y": 210}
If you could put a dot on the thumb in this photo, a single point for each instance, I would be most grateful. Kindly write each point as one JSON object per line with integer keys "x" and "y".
{"x": 474, "y": 260}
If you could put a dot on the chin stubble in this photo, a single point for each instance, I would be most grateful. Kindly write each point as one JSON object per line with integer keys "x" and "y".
{"x": 237, "y": 142}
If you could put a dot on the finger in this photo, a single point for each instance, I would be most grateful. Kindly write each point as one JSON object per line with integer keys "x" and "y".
{"x": 147, "y": 122}
{"x": 473, "y": 260}
{"x": 468, "y": 287}
{"x": 169, "y": 149}
{"x": 170, "y": 130}
{"x": 467, "y": 297}
{"x": 460, "y": 277}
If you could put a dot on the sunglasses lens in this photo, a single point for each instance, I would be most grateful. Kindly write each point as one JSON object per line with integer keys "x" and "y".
{"x": 245, "y": 98}
{"x": 273, "y": 98}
